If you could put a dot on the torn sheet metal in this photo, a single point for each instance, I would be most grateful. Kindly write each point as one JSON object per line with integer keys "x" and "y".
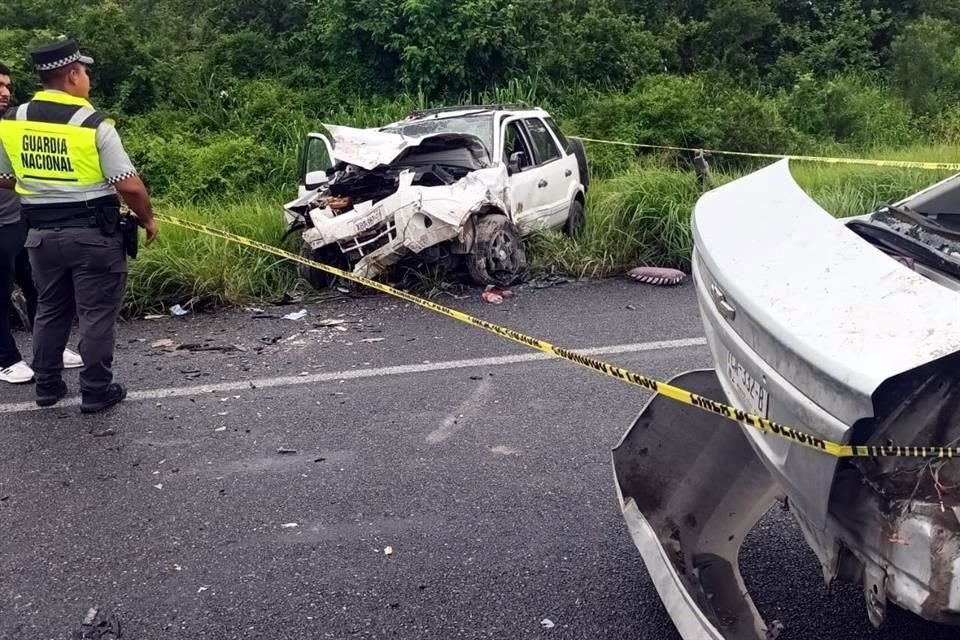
{"x": 367, "y": 148}
{"x": 411, "y": 220}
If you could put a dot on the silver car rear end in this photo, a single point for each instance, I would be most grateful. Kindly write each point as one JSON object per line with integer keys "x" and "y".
{"x": 811, "y": 326}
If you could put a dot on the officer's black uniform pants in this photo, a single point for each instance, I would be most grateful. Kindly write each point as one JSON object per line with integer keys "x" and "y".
{"x": 83, "y": 270}
{"x": 11, "y": 244}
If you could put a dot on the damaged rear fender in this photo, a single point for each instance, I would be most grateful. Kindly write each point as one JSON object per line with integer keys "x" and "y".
{"x": 691, "y": 488}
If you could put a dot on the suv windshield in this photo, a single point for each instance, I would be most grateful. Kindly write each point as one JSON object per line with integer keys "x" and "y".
{"x": 478, "y": 125}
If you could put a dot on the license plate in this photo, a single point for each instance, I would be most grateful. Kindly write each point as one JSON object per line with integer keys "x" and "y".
{"x": 751, "y": 390}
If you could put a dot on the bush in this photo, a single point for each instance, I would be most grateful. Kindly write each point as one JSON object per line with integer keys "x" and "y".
{"x": 222, "y": 165}
{"x": 850, "y": 110}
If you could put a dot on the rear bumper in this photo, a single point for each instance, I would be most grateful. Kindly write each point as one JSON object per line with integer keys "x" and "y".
{"x": 690, "y": 489}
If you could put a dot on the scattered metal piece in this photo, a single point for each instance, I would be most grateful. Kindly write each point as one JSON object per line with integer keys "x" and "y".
{"x": 90, "y": 617}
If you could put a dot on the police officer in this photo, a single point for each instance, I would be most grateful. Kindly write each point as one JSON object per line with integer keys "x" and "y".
{"x": 15, "y": 269}
{"x": 67, "y": 163}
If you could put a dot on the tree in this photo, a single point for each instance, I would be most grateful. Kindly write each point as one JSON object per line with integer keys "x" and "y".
{"x": 827, "y": 38}
{"x": 921, "y": 57}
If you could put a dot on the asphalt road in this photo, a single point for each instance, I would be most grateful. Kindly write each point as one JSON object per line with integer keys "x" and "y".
{"x": 252, "y": 484}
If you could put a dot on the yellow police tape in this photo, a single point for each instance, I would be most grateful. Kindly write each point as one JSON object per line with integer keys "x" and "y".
{"x": 902, "y": 164}
{"x": 680, "y": 395}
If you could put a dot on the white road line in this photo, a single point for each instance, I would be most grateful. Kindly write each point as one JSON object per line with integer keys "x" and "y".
{"x": 359, "y": 374}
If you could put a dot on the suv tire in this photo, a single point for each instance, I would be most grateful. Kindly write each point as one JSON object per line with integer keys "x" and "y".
{"x": 318, "y": 279}
{"x": 498, "y": 257}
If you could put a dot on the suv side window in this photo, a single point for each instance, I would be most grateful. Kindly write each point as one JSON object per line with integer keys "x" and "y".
{"x": 562, "y": 138}
{"x": 547, "y": 150}
{"x": 514, "y": 141}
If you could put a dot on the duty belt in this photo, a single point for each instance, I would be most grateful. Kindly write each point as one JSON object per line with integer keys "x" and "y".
{"x": 66, "y": 215}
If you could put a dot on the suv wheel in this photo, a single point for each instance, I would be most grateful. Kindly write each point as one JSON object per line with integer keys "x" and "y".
{"x": 573, "y": 227}
{"x": 318, "y": 279}
{"x": 498, "y": 257}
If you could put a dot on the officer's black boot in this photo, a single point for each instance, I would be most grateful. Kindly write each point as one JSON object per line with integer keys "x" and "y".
{"x": 115, "y": 394}
{"x": 47, "y": 396}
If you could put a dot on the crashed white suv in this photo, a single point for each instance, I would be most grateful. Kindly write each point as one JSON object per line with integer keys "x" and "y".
{"x": 460, "y": 186}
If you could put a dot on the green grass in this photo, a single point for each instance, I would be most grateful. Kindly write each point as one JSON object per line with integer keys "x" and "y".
{"x": 641, "y": 217}
{"x": 184, "y": 265}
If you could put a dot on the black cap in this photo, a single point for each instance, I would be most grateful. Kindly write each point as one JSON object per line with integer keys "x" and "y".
{"x": 58, "y": 54}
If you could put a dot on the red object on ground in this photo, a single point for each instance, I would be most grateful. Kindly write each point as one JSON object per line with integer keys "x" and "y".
{"x": 492, "y": 297}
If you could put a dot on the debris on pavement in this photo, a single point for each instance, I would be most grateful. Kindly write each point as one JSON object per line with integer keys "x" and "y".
{"x": 547, "y": 623}
{"x": 154, "y": 317}
{"x": 178, "y": 311}
{"x": 659, "y": 276}
{"x": 329, "y": 323}
{"x": 288, "y": 299}
{"x": 491, "y": 298}
{"x": 289, "y": 525}
{"x": 95, "y": 627}
{"x": 299, "y": 315}
{"x": 222, "y": 348}
{"x": 90, "y": 617}
{"x": 388, "y": 551}
{"x": 503, "y": 293}
{"x": 165, "y": 343}
{"x": 283, "y": 451}
{"x": 547, "y": 281}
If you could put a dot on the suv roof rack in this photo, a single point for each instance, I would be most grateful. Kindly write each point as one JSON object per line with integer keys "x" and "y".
{"x": 466, "y": 107}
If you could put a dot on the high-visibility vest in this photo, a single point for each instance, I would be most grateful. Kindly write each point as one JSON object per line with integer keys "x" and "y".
{"x": 49, "y": 147}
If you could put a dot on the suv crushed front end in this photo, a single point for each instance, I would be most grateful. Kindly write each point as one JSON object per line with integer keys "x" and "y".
{"x": 388, "y": 197}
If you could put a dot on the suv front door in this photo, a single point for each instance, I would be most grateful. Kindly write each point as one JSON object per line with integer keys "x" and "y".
{"x": 316, "y": 159}
{"x": 527, "y": 180}
{"x": 555, "y": 169}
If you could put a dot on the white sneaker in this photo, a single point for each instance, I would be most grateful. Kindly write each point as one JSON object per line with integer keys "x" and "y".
{"x": 19, "y": 373}
{"x": 71, "y": 359}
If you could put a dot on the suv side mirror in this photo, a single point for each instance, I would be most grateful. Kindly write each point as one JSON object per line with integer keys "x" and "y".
{"x": 514, "y": 165}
